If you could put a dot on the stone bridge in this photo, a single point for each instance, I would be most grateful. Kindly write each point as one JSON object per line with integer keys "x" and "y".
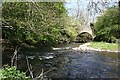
{"x": 86, "y": 29}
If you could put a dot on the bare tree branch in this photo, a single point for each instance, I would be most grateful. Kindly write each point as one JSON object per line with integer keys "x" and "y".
{"x": 29, "y": 68}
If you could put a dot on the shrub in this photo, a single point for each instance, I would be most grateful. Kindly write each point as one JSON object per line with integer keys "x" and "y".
{"x": 107, "y": 25}
{"x": 105, "y": 38}
{"x": 11, "y": 73}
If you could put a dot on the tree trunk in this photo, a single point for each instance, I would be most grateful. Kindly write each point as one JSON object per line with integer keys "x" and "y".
{"x": 119, "y": 4}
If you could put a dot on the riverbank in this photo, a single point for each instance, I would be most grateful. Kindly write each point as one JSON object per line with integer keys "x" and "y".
{"x": 98, "y": 46}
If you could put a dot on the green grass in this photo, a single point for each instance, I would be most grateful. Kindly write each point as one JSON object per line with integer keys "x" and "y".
{"x": 104, "y": 45}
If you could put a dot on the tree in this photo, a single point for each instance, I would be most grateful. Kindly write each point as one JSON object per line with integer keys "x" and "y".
{"x": 107, "y": 25}
{"x": 32, "y": 23}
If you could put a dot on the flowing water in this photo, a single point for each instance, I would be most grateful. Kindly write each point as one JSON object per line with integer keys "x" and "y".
{"x": 63, "y": 62}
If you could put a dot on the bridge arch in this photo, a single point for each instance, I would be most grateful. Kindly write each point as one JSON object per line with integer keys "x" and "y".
{"x": 90, "y": 33}
{"x": 84, "y": 37}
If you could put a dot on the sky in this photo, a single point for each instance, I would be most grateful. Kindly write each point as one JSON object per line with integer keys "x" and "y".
{"x": 72, "y": 6}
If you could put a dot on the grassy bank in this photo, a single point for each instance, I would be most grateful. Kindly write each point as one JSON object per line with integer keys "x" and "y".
{"x": 104, "y": 45}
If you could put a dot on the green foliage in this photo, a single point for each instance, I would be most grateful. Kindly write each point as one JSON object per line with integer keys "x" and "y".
{"x": 71, "y": 32}
{"x": 108, "y": 24}
{"x": 11, "y": 73}
{"x": 32, "y": 23}
{"x": 68, "y": 34}
{"x": 105, "y": 38}
{"x": 70, "y": 29}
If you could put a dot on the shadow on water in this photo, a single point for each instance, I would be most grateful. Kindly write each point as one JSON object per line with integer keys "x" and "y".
{"x": 69, "y": 63}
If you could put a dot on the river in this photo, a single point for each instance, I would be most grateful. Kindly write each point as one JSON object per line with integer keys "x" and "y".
{"x": 63, "y": 62}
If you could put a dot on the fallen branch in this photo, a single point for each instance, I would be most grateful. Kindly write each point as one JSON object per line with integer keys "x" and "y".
{"x": 43, "y": 73}
{"x": 14, "y": 57}
{"x": 30, "y": 68}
